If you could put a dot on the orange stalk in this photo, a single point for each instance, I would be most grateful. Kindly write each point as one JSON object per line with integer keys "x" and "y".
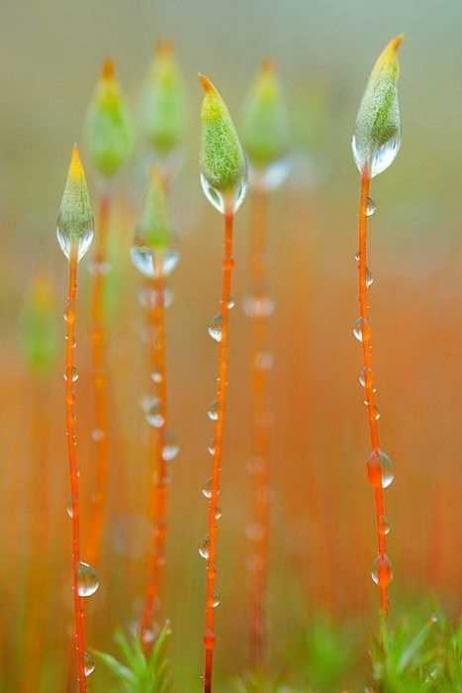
{"x": 71, "y": 435}
{"x": 219, "y": 429}
{"x": 99, "y": 374}
{"x": 374, "y": 471}
{"x": 260, "y": 438}
{"x": 158, "y": 507}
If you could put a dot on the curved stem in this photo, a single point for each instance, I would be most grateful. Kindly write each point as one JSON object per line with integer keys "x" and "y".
{"x": 99, "y": 373}
{"x": 260, "y": 431}
{"x": 221, "y": 398}
{"x": 369, "y": 376}
{"x": 71, "y": 435}
{"x": 158, "y": 507}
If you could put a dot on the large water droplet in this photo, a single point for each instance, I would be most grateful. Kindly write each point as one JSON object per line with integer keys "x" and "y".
{"x": 87, "y": 580}
{"x": 371, "y": 207}
{"x": 220, "y": 201}
{"x": 154, "y": 263}
{"x": 380, "y": 157}
{"x": 380, "y": 469}
{"x": 258, "y": 306}
{"x": 382, "y": 572}
{"x": 358, "y": 329}
{"x": 204, "y": 549}
{"x": 89, "y": 664}
{"x": 215, "y": 327}
{"x": 213, "y": 411}
{"x": 69, "y": 244}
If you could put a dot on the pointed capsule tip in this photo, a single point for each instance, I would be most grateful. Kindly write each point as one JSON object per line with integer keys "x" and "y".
{"x": 206, "y": 83}
{"x": 108, "y": 69}
{"x": 396, "y": 42}
{"x": 268, "y": 65}
{"x": 163, "y": 48}
{"x": 76, "y": 168}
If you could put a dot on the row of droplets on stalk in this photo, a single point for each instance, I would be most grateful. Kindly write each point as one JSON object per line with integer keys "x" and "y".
{"x": 379, "y": 465}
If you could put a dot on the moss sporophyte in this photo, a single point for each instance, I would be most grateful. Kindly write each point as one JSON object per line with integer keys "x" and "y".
{"x": 375, "y": 145}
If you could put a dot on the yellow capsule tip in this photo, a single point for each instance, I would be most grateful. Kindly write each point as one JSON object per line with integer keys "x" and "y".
{"x": 163, "y": 48}
{"x": 268, "y": 65}
{"x": 206, "y": 83}
{"x": 76, "y": 169}
{"x": 108, "y": 69}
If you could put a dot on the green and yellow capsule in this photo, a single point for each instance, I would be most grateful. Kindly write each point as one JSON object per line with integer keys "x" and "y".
{"x": 75, "y": 225}
{"x": 163, "y": 102}
{"x": 39, "y": 330}
{"x": 223, "y": 164}
{"x": 266, "y": 135}
{"x": 377, "y": 135}
{"x": 108, "y": 128}
{"x": 151, "y": 253}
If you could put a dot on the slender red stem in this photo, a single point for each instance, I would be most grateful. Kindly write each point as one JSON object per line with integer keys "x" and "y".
{"x": 99, "y": 373}
{"x": 221, "y": 399}
{"x": 158, "y": 506}
{"x": 260, "y": 435}
{"x": 71, "y": 316}
{"x": 370, "y": 390}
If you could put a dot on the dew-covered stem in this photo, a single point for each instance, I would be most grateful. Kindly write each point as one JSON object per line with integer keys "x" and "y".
{"x": 219, "y": 430}
{"x": 369, "y": 386}
{"x": 99, "y": 382}
{"x": 260, "y": 438}
{"x": 155, "y": 317}
{"x": 71, "y": 435}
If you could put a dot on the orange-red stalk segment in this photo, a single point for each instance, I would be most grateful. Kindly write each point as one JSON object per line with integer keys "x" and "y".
{"x": 218, "y": 441}
{"x": 158, "y": 505}
{"x": 71, "y": 316}
{"x": 99, "y": 368}
{"x": 383, "y": 575}
{"x": 260, "y": 430}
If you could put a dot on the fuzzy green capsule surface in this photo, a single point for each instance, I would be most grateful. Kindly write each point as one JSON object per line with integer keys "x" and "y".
{"x": 377, "y": 135}
{"x": 154, "y": 227}
{"x": 265, "y": 123}
{"x": 163, "y": 102}
{"x": 108, "y": 128}
{"x": 222, "y": 160}
{"x": 75, "y": 225}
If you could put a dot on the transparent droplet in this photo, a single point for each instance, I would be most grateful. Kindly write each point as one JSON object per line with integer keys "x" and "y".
{"x": 213, "y": 411}
{"x": 264, "y": 360}
{"x": 384, "y": 525}
{"x": 231, "y": 303}
{"x": 380, "y": 156}
{"x": 171, "y": 447}
{"x": 154, "y": 263}
{"x": 72, "y": 374}
{"x": 371, "y": 207}
{"x": 69, "y": 244}
{"x": 206, "y": 489}
{"x": 376, "y": 413}
{"x": 204, "y": 549}
{"x": 380, "y": 469}
{"x": 89, "y": 664}
{"x": 87, "y": 580}
{"x": 258, "y": 306}
{"x": 357, "y": 258}
{"x": 154, "y": 415}
{"x": 269, "y": 177}
{"x": 216, "y": 601}
{"x": 220, "y": 201}
{"x": 215, "y": 327}
{"x": 362, "y": 377}
{"x": 211, "y": 448}
{"x": 358, "y": 329}
{"x": 95, "y": 267}
{"x": 382, "y": 572}
{"x": 369, "y": 278}
{"x": 157, "y": 377}
{"x": 69, "y": 317}
{"x": 97, "y": 434}
{"x": 218, "y": 514}
{"x": 70, "y": 510}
